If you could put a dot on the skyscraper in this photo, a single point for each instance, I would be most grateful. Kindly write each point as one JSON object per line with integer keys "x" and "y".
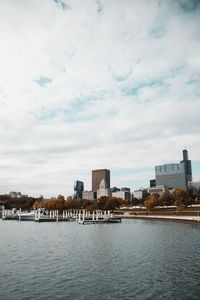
{"x": 176, "y": 175}
{"x": 97, "y": 176}
{"x": 78, "y": 189}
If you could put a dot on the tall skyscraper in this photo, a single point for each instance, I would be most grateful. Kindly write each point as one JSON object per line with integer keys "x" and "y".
{"x": 78, "y": 189}
{"x": 97, "y": 176}
{"x": 176, "y": 175}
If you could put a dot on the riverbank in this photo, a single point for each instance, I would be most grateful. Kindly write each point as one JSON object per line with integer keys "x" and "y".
{"x": 183, "y": 219}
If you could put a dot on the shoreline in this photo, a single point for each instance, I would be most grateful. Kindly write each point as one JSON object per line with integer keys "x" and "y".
{"x": 185, "y": 219}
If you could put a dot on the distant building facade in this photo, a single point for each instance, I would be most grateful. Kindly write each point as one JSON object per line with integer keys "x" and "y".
{"x": 194, "y": 184}
{"x": 124, "y": 195}
{"x": 15, "y": 195}
{"x": 89, "y": 195}
{"x": 158, "y": 190}
{"x": 78, "y": 189}
{"x": 103, "y": 191}
{"x": 152, "y": 182}
{"x": 125, "y": 189}
{"x": 139, "y": 193}
{"x": 175, "y": 175}
{"x": 97, "y": 176}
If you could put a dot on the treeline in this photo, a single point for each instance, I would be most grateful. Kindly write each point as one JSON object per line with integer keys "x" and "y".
{"x": 25, "y": 202}
{"x": 178, "y": 197}
{"x": 59, "y": 203}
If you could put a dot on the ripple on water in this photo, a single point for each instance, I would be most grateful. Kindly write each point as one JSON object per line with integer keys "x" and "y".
{"x": 133, "y": 260}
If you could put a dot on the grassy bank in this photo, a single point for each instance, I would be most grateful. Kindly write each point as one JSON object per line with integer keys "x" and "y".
{"x": 188, "y": 211}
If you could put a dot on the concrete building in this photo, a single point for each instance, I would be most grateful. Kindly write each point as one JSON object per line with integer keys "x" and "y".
{"x": 89, "y": 195}
{"x": 125, "y": 189}
{"x": 175, "y": 175}
{"x": 103, "y": 191}
{"x": 158, "y": 190}
{"x": 97, "y": 176}
{"x": 124, "y": 195}
{"x": 194, "y": 184}
{"x": 15, "y": 195}
{"x": 139, "y": 193}
{"x": 78, "y": 189}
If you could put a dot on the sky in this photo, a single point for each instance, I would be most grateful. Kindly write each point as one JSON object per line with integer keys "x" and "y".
{"x": 96, "y": 84}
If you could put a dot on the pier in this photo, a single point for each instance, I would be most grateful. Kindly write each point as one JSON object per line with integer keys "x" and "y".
{"x": 82, "y": 216}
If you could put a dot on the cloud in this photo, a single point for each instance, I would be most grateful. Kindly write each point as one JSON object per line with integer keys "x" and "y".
{"x": 96, "y": 84}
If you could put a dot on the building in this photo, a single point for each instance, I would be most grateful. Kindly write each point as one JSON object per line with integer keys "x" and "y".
{"x": 97, "y": 176}
{"x": 103, "y": 191}
{"x": 124, "y": 195}
{"x": 125, "y": 189}
{"x": 140, "y": 193}
{"x": 194, "y": 184}
{"x": 89, "y": 195}
{"x": 115, "y": 189}
{"x": 158, "y": 190}
{"x": 78, "y": 189}
{"x": 175, "y": 175}
{"x": 15, "y": 195}
{"x": 2, "y": 206}
{"x": 152, "y": 182}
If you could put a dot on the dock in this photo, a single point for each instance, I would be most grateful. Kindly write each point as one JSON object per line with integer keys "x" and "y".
{"x": 82, "y": 216}
{"x": 100, "y": 221}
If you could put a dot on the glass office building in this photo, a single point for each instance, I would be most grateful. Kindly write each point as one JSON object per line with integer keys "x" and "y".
{"x": 176, "y": 175}
{"x": 78, "y": 189}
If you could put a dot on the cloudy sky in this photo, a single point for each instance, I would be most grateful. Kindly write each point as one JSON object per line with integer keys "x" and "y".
{"x": 96, "y": 84}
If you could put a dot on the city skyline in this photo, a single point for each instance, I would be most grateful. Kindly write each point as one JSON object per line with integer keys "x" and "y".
{"x": 99, "y": 84}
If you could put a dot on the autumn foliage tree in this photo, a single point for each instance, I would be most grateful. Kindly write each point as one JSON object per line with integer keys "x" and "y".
{"x": 112, "y": 203}
{"x": 181, "y": 198}
{"x": 151, "y": 201}
{"x": 165, "y": 199}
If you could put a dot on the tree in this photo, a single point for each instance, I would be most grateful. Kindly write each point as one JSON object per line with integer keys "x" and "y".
{"x": 181, "y": 198}
{"x": 151, "y": 201}
{"x": 135, "y": 201}
{"x": 198, "y": 195}
{"x": 112, "y": 203}
{"x": 145, "y": 195}
{"x": 192, "y": 194}
{"x": 165, "y": 199}
{"x": 92, "y": 207}
{"x": 101, "y": 202}
{"x": 61, "y": 198}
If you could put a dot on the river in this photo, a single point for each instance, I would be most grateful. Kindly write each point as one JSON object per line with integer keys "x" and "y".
{"x": 137, "y": 259}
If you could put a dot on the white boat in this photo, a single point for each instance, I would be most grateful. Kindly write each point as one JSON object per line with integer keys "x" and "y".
{"x": 27, "y": 216}
{"x": 31, "y": 216}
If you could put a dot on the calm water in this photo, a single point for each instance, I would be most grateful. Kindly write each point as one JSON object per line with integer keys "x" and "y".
{"x": 136, "y": 259}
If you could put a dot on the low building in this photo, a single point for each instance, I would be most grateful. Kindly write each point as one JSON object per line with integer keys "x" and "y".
{"x": 139, "y": 193}
{"x": 124, "y": 195}
{"x": 89, "y": 195}
{"x": 125, "y": 189}
{"x": 158, "y": 190}
{"x": 152, "y": 182}
{"x": 194, "y": 184}
{"x": 103, "y": 191}
{"x": 15, "y": 195}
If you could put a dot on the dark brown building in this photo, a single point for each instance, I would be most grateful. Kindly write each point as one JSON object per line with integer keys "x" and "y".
{"x": 97, "y": 176}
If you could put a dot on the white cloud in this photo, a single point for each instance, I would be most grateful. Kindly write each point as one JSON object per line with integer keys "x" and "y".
{"x": 123, "y": 90}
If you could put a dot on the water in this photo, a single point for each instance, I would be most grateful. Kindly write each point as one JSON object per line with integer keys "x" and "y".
{"x": 136, "y": 259}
